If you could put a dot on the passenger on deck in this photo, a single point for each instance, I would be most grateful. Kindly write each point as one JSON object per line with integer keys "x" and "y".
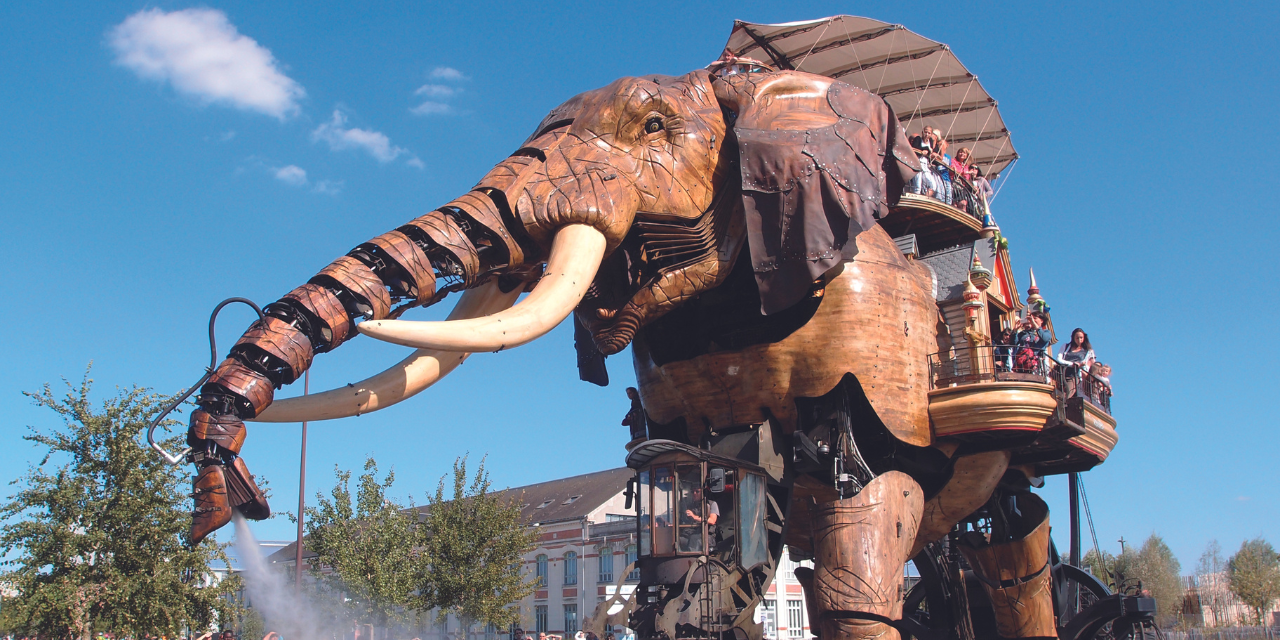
{"x": 982, "y": 187}
{"x": 1103, "y": 374}
{"x": 1032, "y": 342}
{"x": 1078, "y": 353}
{"x": 960, "y": 163}
{"x": 1076, "y": 358}
{"x": 1004, "y": 349}
{"x": 926, "y": 182}
{"x": 942, "y": 165}
{"x": 961, "y": 188}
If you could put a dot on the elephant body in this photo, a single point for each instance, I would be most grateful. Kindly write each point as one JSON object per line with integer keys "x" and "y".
{"x": 725, "y": 224}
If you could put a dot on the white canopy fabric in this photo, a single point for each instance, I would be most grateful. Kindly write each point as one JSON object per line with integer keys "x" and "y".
{"x": 922, "y": 80}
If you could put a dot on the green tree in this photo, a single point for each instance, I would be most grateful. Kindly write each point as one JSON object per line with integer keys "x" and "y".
{"x": 1254, "y": 575}
{"x": 472, "y": 545}
{"x": 96, "y": 533}
{"x": 1154, "y": 567}
{"x": 1100, "y": 565}
{"x": 368, "y": 543}
{"x": 1210, "y": 573}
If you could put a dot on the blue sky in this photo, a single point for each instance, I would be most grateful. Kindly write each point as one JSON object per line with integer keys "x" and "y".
{"x": 137, "y": 190}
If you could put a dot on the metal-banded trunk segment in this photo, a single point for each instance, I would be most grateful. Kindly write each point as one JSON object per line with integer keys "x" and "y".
{"x": 417, "y": 264}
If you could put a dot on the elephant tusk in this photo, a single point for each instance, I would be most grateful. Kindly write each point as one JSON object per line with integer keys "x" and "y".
{"x": 406, "y": 379}
{"x": 576, "y": 253}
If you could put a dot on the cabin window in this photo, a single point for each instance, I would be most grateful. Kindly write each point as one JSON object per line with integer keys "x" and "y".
{"x": 692, "y": 507}
{"x": 751, "y": 513}
{"x": 645, "y": 511}
{"x": 664, "y": 504}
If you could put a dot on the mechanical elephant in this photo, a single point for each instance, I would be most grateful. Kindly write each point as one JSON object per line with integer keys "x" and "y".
{"x": 724, "y": 223}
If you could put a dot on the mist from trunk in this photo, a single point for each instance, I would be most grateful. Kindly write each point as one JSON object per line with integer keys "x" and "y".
{"x": 271, "y": 593}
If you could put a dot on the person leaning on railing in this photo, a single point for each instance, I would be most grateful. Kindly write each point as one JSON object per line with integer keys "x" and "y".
{"x": 1076, "y": 358}
{"x": 1078, "y": 352}
{"x": 962, "y": 189}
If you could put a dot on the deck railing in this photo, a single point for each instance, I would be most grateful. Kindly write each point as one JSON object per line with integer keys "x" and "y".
{"x": 1000, "y": 363}
{"x": 975, "y": 205}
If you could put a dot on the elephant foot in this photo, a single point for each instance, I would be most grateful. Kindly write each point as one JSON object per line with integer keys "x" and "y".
{"x": 861, "y": 629}
{"x": 860, "y": 547}
{"x": 1015, "y": 573}
{"x": 212, "y": 510}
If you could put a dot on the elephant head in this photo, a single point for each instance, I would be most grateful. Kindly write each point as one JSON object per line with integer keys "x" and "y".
{"x": 674, "y": 174}
{"x": 636, "y": 197}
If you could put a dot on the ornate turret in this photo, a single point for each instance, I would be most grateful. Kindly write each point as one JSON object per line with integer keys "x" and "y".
{"x": 989, "y": 227}
{"x": 979, "y": 275}
{"x": 1035, "y": 302}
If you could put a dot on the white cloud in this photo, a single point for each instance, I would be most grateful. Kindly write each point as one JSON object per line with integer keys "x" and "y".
{"x": 227, "y": 136}
{"x": 446, "y": 73}
{"x": 202, "y": 55}
{"x": 435, "y": 91}
{"x": 430, "y": 108}
{"x": 416, "y": 163}
{"x": 292, "y": 175}
{"x": 339, "y": 138}
{"x": 329, "y": 187}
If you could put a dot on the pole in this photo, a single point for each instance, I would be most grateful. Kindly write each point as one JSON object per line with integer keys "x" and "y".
{"x": 302, "y": 494}
{"x": 1073, "y": 482}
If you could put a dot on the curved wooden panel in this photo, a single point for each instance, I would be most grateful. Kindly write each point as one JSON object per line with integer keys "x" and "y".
{"x": 1100, "y": 435}
{"x": 1018, "y": 409}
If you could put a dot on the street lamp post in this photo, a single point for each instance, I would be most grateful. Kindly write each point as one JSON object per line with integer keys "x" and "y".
{"x": 302, "y": 495}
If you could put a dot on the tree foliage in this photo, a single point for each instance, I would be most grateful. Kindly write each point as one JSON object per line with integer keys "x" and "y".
{"x": 368, "y": 545}
{"x": 1100, "y": 565}
{"x": 1154, "y": 567}
{"x": 462, "y": 554}
{"x": 1210, "y": 572}
{"x": 472, "y": 544}
{"x": 1254, "y": 575}
{"x": 96, "y": 532}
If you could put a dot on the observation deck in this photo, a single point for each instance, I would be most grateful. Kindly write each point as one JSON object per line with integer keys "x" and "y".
{"x": 1055, "y": 418}
{"x": 935, "y": 224}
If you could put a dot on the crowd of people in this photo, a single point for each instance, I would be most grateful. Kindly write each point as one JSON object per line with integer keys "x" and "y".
{"x": 1026, "y": 350}
{"x": 957, "y": 181}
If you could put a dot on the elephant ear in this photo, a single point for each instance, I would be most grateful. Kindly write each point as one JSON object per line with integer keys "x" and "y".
{"x": 808, "y": 193}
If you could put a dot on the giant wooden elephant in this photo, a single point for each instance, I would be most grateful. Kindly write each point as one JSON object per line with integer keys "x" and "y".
{"x": 724, "y": 223}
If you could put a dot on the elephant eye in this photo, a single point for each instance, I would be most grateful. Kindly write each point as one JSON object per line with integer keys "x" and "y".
{"x": 653, "y": 125}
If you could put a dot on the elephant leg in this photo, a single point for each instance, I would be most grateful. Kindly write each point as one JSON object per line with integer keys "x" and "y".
{"x": 860, "y": 547}
{"x": 972, "y": 481}
{"x": 1015, "y": 571}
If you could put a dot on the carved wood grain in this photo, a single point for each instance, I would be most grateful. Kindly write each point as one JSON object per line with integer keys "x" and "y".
{"x": 860, "y": 548}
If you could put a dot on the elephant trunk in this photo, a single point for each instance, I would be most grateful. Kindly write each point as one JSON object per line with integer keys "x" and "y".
{"x": 455, "y": 247}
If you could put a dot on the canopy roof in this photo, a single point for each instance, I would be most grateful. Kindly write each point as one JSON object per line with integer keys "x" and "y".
{"x": 922, "y": 80}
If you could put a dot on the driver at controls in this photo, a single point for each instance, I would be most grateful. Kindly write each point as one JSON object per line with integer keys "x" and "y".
{"x": 691, "y": 538}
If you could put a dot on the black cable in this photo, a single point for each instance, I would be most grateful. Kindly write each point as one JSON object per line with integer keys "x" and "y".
{"x": 213, "y": 362}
